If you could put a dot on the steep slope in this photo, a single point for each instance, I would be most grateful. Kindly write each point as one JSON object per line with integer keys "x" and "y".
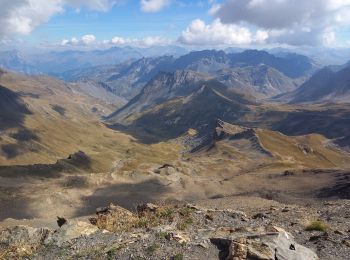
{"x": 174, "y": 102}
{"x": 260, "y": 81}
{"x": 161, "y": 88}
{"x": 325, "y": 86}
{"x": 43, "y": 119}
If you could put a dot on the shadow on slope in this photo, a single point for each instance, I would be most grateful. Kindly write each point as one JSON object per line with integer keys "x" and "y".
{"x": 76, "y": 161}
{"x": 332, "y": 123}
{"x": 14, "y": 205}
{"x": 12, "y": 109}
{"x": 12, "y": 115}
{"x": 126, "y": 195}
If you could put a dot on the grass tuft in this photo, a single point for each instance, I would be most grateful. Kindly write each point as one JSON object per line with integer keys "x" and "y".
{"x": 317, "y": 226}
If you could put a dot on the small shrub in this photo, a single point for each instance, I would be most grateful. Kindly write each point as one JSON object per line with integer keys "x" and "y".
{"x": 142, "y": 223}
{"x": 185, "y": 211}
{"x": 317, "y": 226}
{"x": 111, "y": 253}
{"x": 185, "y": 223}
{"x": 161, "y": 234}
{"x": 165, "y": 213}
{"x": 152, "y": 248}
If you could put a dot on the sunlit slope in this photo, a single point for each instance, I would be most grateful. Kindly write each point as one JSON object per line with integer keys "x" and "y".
{"x": 51, "y": 120}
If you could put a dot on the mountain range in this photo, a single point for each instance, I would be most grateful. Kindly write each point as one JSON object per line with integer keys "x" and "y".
{"x": 56, "y": 62}
{"x": 209, "y": 129}
{"x": 255, "y": 72}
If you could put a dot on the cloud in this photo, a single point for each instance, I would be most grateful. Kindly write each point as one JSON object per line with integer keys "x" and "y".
{"x": 144, "y": 42}
{"x": 22, "y": 16}
{"x": 85, "y": 40}
{"x": 295, "y": 22}
{"x": 217, "y": 33}
{"x": 90, "y": 41}
{"x": 152, "y": 6}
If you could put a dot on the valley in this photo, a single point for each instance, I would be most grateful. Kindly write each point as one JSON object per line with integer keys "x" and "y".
{"x": 180, "y": 131}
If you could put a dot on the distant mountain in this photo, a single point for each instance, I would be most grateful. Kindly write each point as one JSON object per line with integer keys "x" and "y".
{"x": 326, "y": 85}
{"x": 124, "y": 80}
{"x": 255, "y": 72}
{"x": 15, "y": 61}
{"x": 172, "y": 103}
{"x": 260, "y": 81}
{"x": 292, "y": 65}
{"x": 202, "y": 61}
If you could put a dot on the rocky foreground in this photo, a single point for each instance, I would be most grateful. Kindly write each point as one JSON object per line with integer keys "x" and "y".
{"x": 175, "y": 231}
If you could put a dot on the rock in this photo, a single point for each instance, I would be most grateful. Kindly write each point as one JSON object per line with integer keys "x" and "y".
{"x": 260, "y": 215}
{"x": 23, "y": 240}
{"x": 71, "y": 230}
{"x": 274, "y": 243}
{"x": 238, "y": 249}
{"x": 288, "y": 173}
{"x": 61, "y": 221}
{"x": 274, "y": 208}
{"x": 339, "y": 232}
{"x": 102, "y": 210}
{"x": 235, "y": 213}
{"x": 209, "y": 217}
{"x": 179, "y": 237}
{"x": 148, "y": 207}
{"x": 346, "y": 242}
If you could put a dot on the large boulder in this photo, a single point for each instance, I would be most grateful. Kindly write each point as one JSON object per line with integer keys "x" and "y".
{"x": 71, "y": 230}
{"x": 273, "y": 243}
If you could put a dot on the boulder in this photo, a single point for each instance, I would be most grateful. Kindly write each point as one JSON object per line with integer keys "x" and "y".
{"x": 274, "y": 243}
{"x": 69, "y": 231}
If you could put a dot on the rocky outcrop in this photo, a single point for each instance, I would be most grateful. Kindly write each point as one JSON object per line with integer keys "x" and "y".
{"x": 71, "y": 230}
{"x": 157, "y": 232}
{"x": 270, "y": 243}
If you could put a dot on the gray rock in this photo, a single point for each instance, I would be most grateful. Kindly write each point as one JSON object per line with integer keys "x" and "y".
{"x": 71, "y": 230}
{"x": 273, "y": 244}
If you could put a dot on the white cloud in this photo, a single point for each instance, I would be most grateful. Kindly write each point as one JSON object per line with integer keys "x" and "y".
{"x": 144, "y": 42}
{"x": 217, "y": 33}
{"x": 85, "y": 40}
{"x": 295, "y": 22}
{"x": 22, "y": 16}
{"x": 90, "y": 41}
{"x": 151, "y": 6}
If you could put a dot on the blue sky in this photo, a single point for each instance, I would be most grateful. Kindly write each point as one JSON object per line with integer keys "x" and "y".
{"x": 214, "y": 23}
{"x": 123, "y": 20}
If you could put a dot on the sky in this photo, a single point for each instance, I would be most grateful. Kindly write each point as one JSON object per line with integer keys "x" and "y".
{"x": 191, "y": 23}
